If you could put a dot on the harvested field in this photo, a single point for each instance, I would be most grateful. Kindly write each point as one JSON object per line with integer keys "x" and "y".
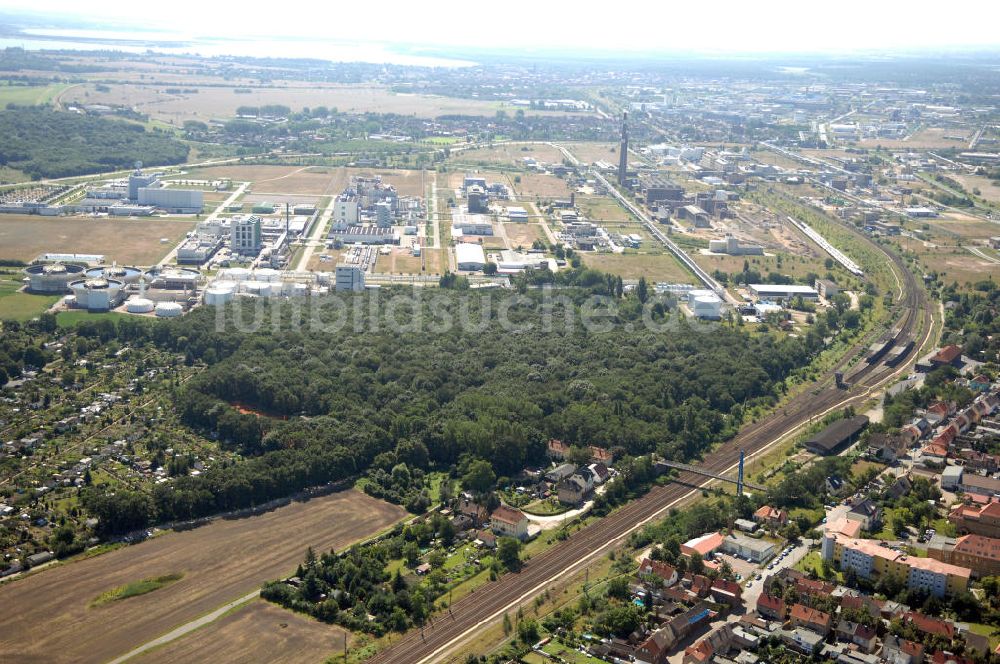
{"x": 930, "y": 137}
{"x": 601, "y": 208}
{"x": 399, "y": 261}
{"x": 127, "y": 241}
{"x": 588, "y": 153}
{"x": 655, "y": 267}
{"x": 222, "y": 102}
{"x": 989, "y": 189}
{"x": 523, "y": 234}
{"x": 541, "y": 185}
{"x": 953, "y": 263}
{"x": 221, "y": 562}
{"x": 969, "y": 228}
{"x": 256, "y": 632}
{"x": 796, "y": 266}
{"x": 509, "y": 155}
{"x": 314, "y": 180}
{"x": 407, "y": 182}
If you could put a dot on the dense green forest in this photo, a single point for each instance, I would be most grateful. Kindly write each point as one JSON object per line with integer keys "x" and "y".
{"x": 47, "y": 144}
{"x": 339, "y": 403}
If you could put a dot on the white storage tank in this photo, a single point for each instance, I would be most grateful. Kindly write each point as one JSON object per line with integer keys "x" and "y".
{"x": 128, "y": 275}
{"x": 52, "y": 277}
{"x": 695, "y": 293}
{"x": 267, "y": 274}
{"x": 707, "y": 306}
{"x": 220, "y": 293}
{"x": 258, "y": 288}
{"x": 139, "y": 305}
{"x": 169, "y": 309}
{"x": 97, "y": 294}
{"x": 235, "y": 274}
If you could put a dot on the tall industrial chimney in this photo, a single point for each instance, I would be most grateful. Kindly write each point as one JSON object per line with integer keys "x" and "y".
{"x": 623, "y": 151}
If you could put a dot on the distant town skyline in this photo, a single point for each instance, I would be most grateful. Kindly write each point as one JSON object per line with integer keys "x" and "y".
{"x": 780, "y": 26}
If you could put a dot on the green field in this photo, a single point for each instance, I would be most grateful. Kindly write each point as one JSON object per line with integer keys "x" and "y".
{"x": 71, "y": 318}
{"x": 29, "y": 95}
{"x": 21, "y": 306}
{"x": 135, "y": 589}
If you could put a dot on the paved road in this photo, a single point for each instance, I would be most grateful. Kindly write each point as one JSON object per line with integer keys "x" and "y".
{"x": 316, "y": 238}
{"x": 170, "y": 257}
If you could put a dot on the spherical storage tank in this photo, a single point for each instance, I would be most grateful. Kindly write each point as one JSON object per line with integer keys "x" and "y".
{"x": 169, "y": 309}
{"x": 139, "y": 305}
{"x": 128, "y": 275}
{"x": 220, "y": 292}
{"x": 52, "y": 277}
{"x": 97, "y": 294}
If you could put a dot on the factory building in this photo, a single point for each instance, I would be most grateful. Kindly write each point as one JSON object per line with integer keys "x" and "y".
{"x": 349, "y": 278}
{"x": 137, "y": 180}
{"x": 198, "y": 249}
{"x": 517, "y": 214}
{"x": 732, "y": 246}
{"x": 245, "y": 238}
{"x": 783, "y": 291}
{"x": 471, "y": 224}
{"x": 366, "y": 234}
{"x": 655, "y": 189}
{"x": 470, "y": 257}
{"x": 345, "y": 210}
{"x": 177, "y": 201}
{"x": 479, "y": 201}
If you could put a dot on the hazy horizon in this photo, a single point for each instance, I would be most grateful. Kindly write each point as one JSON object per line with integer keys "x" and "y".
{"x": 855, "y": 28}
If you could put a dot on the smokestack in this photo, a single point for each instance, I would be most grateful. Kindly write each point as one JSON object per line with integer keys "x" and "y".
{"x": 623, "y": 151}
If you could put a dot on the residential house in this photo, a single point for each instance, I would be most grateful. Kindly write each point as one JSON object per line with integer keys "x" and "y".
{"x": 468, "y": 506}
{"x": 935, "y": 626}
{"x": 666, "y": 573}
{"x": 801, "y": 640}
{"x": 981, "y": 520}
{"x": 573, "y": 490}
{"x": 771, "y": 517}
{"x": 860, "y": 635}
{"x": 979, "y": 553}
{"x": 771, "y": 607}
{"x": 561, "y": 472}
{"x": 726, "y": 592}
{"x": 868, "y": 513}
{"x": 887, "y": 447}
{"x": 896, "y": 650}
{"x": 811, "y": 619}
{"x": 835, "y": 485}
{"x": 509, "y": 522}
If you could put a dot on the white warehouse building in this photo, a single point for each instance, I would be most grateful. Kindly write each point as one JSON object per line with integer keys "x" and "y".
{"x": 179, "y": 201}
{"x": 470, "y": 257}
{"x": 783, "y": 292}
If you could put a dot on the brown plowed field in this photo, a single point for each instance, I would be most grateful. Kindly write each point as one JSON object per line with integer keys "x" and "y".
{"x": 257, "y": 632}
{"x": 46, "y": 617}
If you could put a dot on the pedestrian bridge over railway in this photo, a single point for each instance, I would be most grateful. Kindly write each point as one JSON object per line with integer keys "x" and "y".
{"x": 738, "y": 480}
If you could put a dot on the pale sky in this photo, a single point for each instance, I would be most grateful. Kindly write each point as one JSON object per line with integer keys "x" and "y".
{"x": 660, "y": 25}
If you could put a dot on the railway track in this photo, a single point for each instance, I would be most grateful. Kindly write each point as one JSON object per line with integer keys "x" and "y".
{"x": 478, "y": 609}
